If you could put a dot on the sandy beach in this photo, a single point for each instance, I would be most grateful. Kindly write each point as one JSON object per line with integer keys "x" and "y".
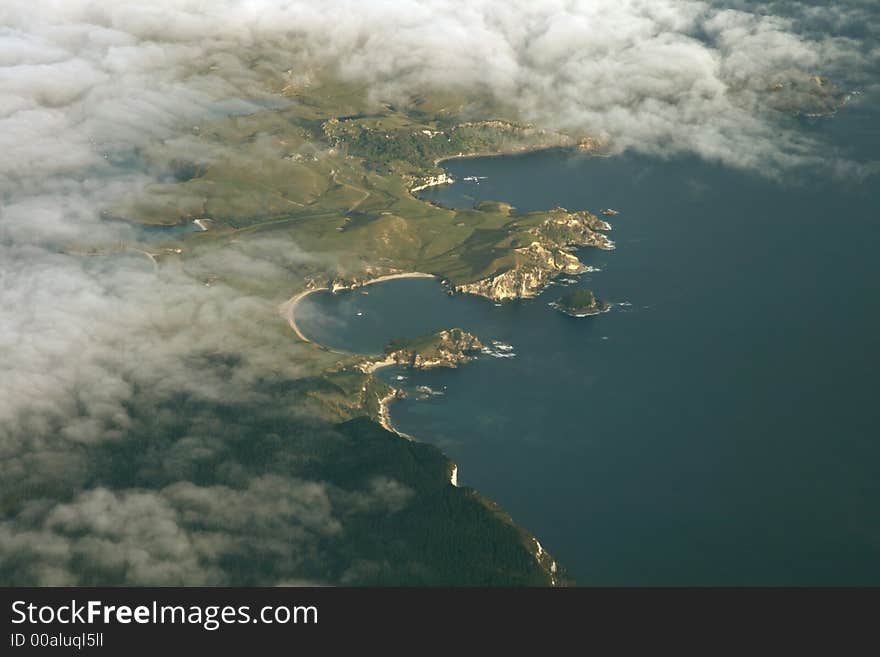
{"x": 288, "y": 308}
{"x": 391, "y": 277}
{"x": 371, "y": 367}
{"x": 385, "y": 415}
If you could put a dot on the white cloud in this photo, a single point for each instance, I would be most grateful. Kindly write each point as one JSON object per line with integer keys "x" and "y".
{"x": 80, "y": 77}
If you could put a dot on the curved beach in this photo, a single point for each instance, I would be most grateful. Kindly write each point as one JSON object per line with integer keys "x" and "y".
{"x": 288, "y": 308}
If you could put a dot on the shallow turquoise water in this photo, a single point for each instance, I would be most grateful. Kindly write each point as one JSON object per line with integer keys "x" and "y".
{"x": 721, "y": 429}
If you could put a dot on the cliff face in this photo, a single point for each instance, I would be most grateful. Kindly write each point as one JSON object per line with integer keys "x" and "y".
{"x": 536, "y": 266}
{"x": 431, "y": 181}
{"x": 573, "y": 228}
{"x": 548, "y": 255}
{"x": 443, "y": 349}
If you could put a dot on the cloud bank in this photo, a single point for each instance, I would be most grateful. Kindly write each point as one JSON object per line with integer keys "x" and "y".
{"x": 83, "y": 79}
{"x": 87, "y": 344}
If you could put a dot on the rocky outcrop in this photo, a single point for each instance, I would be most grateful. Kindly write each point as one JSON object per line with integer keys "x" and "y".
{"x": 448, "y": 348}
{"x": 547, "y": 256}
{"x": 580, "y": 303}
{"x": 431, "y": 181}
{"x": 589, "y": 144}
{"x": 567, "y": 229}
{"x": 537, "y": 265}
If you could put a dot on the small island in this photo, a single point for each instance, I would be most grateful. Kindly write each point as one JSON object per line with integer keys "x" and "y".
{"x": 580, "y": 303}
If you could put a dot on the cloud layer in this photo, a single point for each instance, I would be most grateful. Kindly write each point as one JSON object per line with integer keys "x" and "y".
{"x": 82, "y": 80}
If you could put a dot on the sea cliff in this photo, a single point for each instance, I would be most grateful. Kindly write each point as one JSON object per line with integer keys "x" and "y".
{"x": 548, "y": 254}
{"x": 448, "y": 348}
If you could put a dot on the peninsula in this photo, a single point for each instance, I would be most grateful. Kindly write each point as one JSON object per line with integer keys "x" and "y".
{"x": 321, "y": 187}
{"x": 448, "y": 348}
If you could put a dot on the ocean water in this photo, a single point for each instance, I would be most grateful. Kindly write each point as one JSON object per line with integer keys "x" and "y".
{"x": 720, "y": 425}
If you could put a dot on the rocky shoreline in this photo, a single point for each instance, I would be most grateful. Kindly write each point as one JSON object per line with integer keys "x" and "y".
{"x": 448, "y": 348}
{"x": 534, "y": 253}
{"x": 549, "y": 255}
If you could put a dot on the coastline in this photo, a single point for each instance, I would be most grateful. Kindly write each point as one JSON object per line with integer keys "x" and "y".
{"x": 288, "y": 311}
{"x": 386, "y": 277}
{"x": 288, "y": 308}
{"x": 525, "y": 150}
{"x": 385, "y": 422}
{"x": 508, "y": 153}
{"x": 385, "y": 415}
{"x": 370, "y": 368}
{"x": 385, "y": 402}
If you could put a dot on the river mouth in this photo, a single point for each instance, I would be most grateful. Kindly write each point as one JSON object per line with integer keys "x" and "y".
{"x": 715, "y": 427}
